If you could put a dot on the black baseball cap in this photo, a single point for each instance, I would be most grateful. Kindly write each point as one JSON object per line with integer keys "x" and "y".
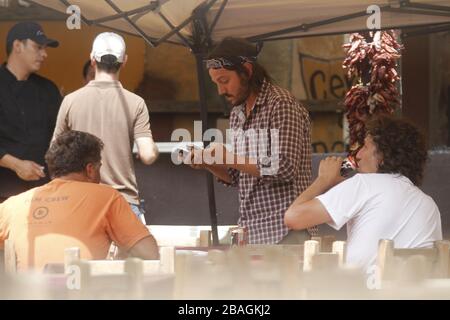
{"x": 29, "y": 30}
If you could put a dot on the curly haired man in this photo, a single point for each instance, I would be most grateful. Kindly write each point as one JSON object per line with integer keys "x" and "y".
{"x": 382, "y": 201}
{"x": 73, "y": 210}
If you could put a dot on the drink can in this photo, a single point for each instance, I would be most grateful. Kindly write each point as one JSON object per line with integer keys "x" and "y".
{"x": 348, "y": 166}
{"x": 239, "y": 236}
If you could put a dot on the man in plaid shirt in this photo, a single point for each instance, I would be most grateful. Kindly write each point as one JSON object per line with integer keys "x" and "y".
{"x": 271, "y": 157}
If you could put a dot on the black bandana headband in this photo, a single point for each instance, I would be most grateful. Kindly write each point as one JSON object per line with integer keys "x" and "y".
{"x": 228, "y": 63}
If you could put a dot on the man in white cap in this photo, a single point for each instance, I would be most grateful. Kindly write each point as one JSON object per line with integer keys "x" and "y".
{"x": 115, "y": 115}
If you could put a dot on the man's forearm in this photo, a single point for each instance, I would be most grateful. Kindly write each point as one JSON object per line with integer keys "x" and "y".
{"x": 306, "y": 212}
{"x": 25, "y": 169}
{"x": 221, "y": 171}
{"x": 234, "y": 161}
{"x": 147, "y": 150}
{"x": 9, "y": 162}
{"x": 318, "y": 187}
{"x": 246, "y": 165}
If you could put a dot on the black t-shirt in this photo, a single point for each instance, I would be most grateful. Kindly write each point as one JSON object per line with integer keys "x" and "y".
{"x": 28, "y": 111}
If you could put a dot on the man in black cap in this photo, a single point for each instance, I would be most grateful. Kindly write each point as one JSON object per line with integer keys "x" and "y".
{"x": 29, "y": 105}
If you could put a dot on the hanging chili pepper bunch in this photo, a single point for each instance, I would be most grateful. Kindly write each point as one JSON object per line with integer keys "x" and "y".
{"x": 372, "y": 59}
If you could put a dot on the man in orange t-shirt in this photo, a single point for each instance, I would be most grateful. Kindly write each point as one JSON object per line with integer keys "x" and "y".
{"x": 73, "y": 210}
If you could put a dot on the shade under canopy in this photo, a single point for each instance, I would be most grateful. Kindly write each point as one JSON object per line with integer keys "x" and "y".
{"x": 253, "y": 19}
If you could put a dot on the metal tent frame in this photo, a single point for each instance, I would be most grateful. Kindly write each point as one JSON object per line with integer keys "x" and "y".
{"x": 201, "y": 41}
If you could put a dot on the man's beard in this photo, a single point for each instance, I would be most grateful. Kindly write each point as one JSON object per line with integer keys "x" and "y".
{"x": 243, "y": 94}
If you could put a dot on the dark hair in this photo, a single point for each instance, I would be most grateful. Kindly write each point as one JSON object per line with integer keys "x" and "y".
{"x": 230, "y": 48}
{"x": 86, "y": 67}
{"x": 71, "y": 152}
{"x": 402, "y": 146}
{"x": 9, "y": 46}
{"x": 109, "y": 64}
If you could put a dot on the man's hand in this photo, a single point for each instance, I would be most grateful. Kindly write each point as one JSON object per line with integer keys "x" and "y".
{"x": 25, "y": 169}
{"x": 194, "y": 158}
{"x": 214, "y": 154}
{"x": 329, "y": 171}
{"x": 211, "y": 159}
{"x": 217, "y": 154}
{"x": 29, "y": 170}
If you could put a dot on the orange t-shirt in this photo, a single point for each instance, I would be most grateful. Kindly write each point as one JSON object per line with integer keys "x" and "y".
{"x": 44, "y": 221}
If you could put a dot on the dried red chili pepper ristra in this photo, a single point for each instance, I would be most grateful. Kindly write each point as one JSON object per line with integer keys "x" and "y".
{"x": 372, "y": 58}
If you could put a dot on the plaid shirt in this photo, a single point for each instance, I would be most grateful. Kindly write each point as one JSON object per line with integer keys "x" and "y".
{"x": 284, "y": 161}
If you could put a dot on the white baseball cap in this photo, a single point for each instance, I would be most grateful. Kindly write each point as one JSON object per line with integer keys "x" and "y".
{"x": 108, "y": 43}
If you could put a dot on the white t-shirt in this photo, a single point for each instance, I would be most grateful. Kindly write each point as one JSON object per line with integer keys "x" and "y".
{"x": 381, "y": 206}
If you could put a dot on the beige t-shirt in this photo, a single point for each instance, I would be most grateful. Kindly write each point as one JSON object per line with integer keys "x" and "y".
{"x": 118, "y": 117}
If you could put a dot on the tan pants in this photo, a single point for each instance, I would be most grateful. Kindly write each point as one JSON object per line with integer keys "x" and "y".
{"x": 295, "y": 237}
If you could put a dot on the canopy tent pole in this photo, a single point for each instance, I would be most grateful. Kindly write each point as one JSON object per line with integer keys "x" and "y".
{"x": 443, "y": 28}
{"x": 438, "y": 27}
{"x": 153, "y": 6}
{"x": 135, "y": 27}
{"x": 308, "y": 26}
{"x": 405, "y": 7}
{"x": 216, "y": 18}
{"x": 409, "y": 10}
{"x": 98, "y": 22}
{"x": 199, "y": 57}
{"x": 426, "y": 6}
{"x": 172, "y": 27}
{"x": 201, "y": 43}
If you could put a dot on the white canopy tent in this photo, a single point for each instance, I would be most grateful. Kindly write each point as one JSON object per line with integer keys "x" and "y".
{"x": 198, "y": 23}
{"x": 253, "y": 19}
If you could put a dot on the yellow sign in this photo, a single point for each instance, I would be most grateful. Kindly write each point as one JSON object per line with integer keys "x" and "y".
{"x": 323, "y": 79}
